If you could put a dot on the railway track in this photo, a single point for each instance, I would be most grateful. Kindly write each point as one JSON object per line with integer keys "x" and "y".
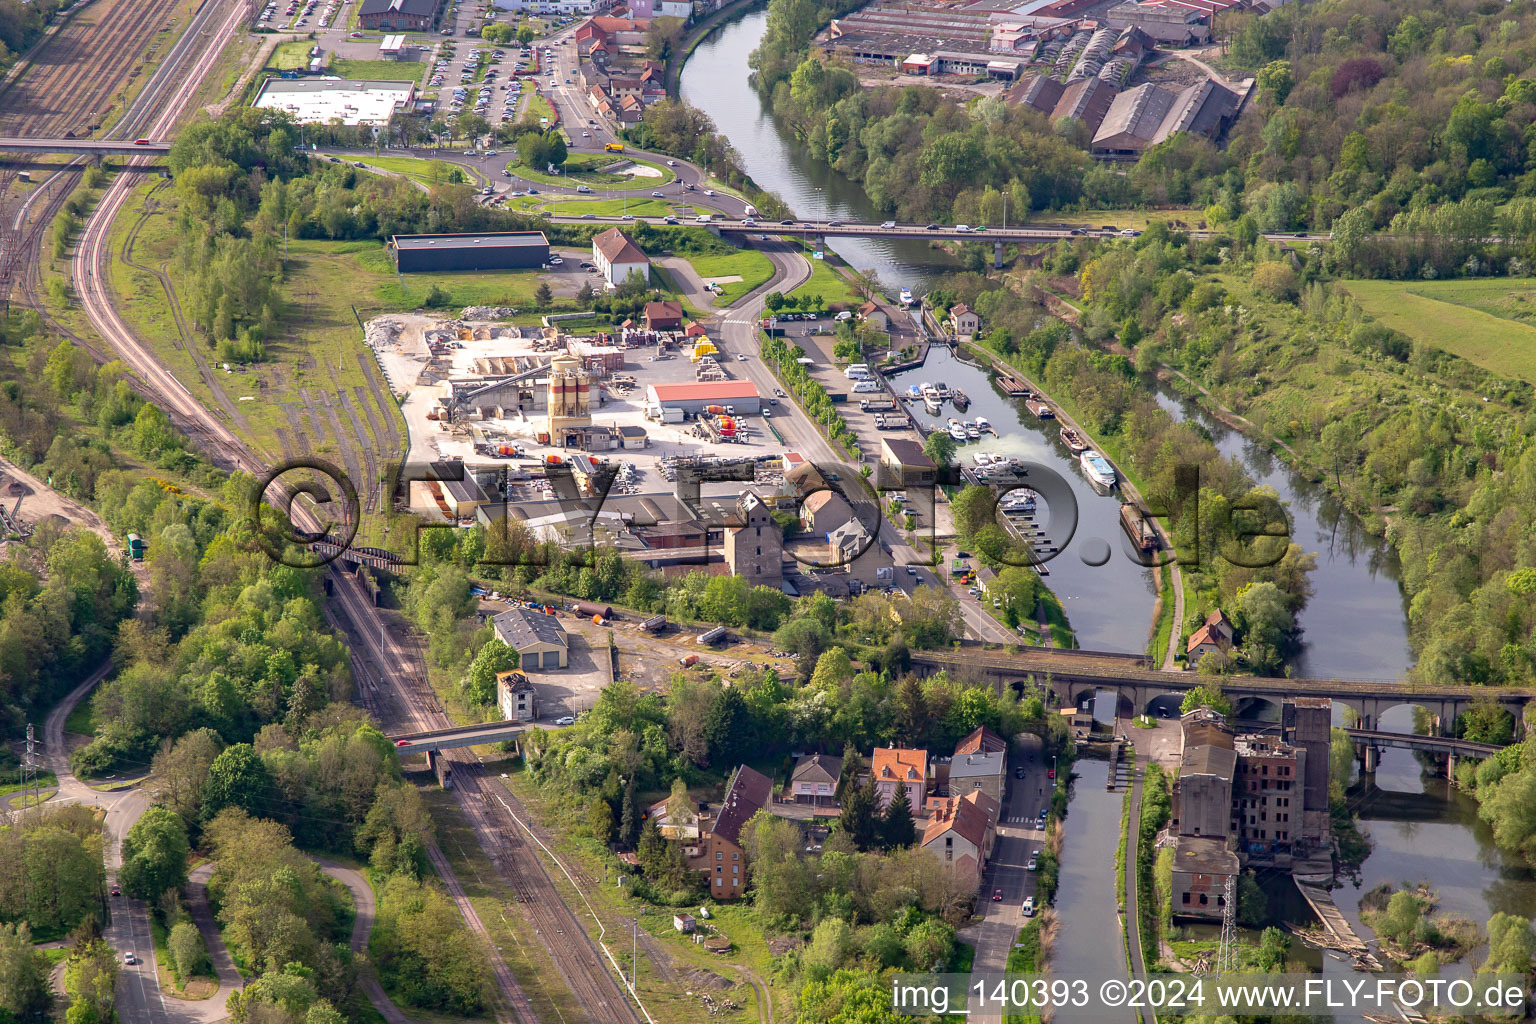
{"x": 73, "y": 77}
{"x": 500, "y": 823}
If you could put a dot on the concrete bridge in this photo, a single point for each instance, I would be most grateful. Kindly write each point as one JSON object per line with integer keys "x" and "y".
{"x": 82, "y": 147}
{"x": 459, "y": 736}
{"x": 1074, "y": 676}
{"x": 1368, "y": 744}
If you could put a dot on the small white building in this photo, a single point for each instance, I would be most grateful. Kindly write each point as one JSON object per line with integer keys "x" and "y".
{"x": 516, "y": 696}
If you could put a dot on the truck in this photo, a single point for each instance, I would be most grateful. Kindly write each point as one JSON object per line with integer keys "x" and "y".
{"x": 710, "y": 636}
{"x": 750, "y": 210}
{"x": 614, "y": 147}
{"x": 136, "y": 547}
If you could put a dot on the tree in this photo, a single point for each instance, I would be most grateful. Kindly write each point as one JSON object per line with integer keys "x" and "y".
{"x": 187, "y": 951}
{"x": 23, "y": 974}
{"x": 91, "y": 980}
{"x": 180, "y": 770}
{"x": 1402, "y": 916}
{"x": 1276, "y": 78}
{"x": 897, "y": 827}
{"x": 939, "y": 447}
{"x": 600, "y": 820}
{"x": 543, "y": 294}
{"x": 1252, "y": 904}
{"x": 155, "y": 854}
{"x": 1511, "y": 945}
{"x": 1275, "y": 279}
{"x": 1206, "y": 696}
{"x": 493, "y": 658}
{"x": 860, "y": 806}
{"x": 236, "y": 778}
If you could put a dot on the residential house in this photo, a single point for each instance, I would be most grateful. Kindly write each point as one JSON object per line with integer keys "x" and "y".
{"x": 1213, "y": 637}
{"x": 872, "y": 314}
{"x": 823, "y": 512}
{"x": 516, "y": 696}
{"x": 663, "y": 316}
{"x": 960, "y": 834}
{"x": 963, "y": 321}
{"x": 900, "y": 766}
{"x": 631, "y": 109}
{"x": 539, "y": 639}
{"x": 685, "y": 827}
{"x": 718, "y": 852}
{"x": 814, "y": 780}
{"x": 616, "y": 255}
{"x": 979, "y": 772}
{"x": 981, "y": 740}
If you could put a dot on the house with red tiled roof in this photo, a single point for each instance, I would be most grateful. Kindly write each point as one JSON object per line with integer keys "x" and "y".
{"x": 900, "y": 766}
{"x": 960, "y": 834}
{"x": 1213, "y": 637}
{"x": 631, "y": 109}
{"x": 718, "y": 852}
{"x": 981, "y": 741}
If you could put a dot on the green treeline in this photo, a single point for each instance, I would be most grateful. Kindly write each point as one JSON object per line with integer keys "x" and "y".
{"x": 1434, "y": 452}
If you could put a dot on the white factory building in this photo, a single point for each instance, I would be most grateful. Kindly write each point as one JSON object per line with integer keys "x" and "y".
{"x": 322, "y": 100}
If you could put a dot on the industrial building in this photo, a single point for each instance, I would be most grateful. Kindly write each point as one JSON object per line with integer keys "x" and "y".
{"x": 539, "y": 639}
{"x": 1167, "y": 21}
{"x": 1145, "y": 116}
{"x": 496, "y": 250}
{"x": 692, "y": 397}
{"x": 399, "y": 15}
{"x": 323, "y": 100}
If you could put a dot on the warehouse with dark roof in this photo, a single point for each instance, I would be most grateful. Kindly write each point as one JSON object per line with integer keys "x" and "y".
{"x": 495, "y": 250}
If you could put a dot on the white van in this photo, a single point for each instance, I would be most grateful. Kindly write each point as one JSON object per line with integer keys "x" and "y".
{"x": 702, "y": 218}
{"x": 962, "y": 227}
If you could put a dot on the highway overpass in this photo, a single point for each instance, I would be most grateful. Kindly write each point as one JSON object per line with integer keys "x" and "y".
{"x": 82, "y": 147}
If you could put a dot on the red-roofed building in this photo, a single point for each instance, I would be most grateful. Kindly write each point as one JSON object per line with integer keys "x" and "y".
{"x": 960, "y": 833}
{"x": 1213, "y": 637}
{"x": 982, "y": 741}
{"x": 901, "y": 766}
{"x": 616, "y": 255}
{"x": 718, "y": 852}
{"x": 741, "y": 395}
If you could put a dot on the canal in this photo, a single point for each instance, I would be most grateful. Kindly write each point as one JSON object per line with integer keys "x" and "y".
{"x": 1354, "y": 625}
{"x": 715, "y": 80}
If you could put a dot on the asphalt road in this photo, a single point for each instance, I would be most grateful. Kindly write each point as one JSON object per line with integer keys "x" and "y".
{"x": 1017, "y": 838}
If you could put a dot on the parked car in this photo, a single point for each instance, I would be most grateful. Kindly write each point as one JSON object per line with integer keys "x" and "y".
{"x": 1018, "y": 772}
{"x": 1034, "y": 863}
{"x": 997, "y": 895}
{"x": 1029, "y": 906}
{"x": 565, "y": 720}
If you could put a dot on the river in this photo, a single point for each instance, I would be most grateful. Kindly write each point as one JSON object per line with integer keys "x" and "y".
{"x": 1353, "y": 627}
{"x": 715, "y": 81}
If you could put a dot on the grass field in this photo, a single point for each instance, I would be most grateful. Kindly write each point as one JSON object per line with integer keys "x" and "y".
{"x": 312, "y": 393}
{"x": 1490, "y": 322}
{"x": 429, "y": 172}
{"x": 290, "y": 56}
{"x": 581, "y": 169}
{"x": 751, "y": 266}
{"x": 828, "y": 284}
{"x": 575, "y": 207}
{"x": 378, "y": 70}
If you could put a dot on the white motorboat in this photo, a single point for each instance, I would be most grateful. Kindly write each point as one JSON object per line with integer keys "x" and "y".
{"x": 982, "y": 459}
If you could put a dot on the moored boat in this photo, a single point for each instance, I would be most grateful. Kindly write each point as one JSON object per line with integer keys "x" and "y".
{"x": 1138, "y": 527}
{"x": 1097, "y": 468}
{"x": 983, "y": 425}
{"x": 914, "y": 392}
{"x": 1073, "y": 440}
{"x": 1012, "y": 386}
{"x": 1040, "y": 410}
{"x": 972, "y": 433}
{"x": 956, "y": 431}
{"x": 982, "y": 459}
{"x": 906, "y": 296}
{"x": 960, "y": 398}
{"x": 941, "y": 389}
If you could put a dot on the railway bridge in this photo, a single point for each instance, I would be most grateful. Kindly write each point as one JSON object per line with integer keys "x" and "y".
{"x": 1071, "y": 677}
{"x": 81, "y": 147}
